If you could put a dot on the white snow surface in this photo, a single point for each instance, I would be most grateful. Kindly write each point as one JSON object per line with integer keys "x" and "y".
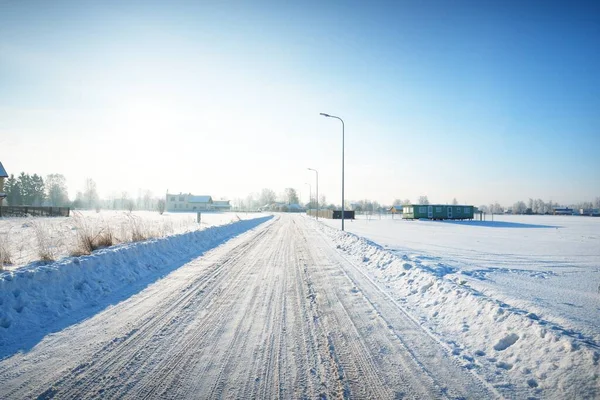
{"x": 494, "y": 294}
{"x": 516, "y": 298}
{"x": 21, "y": 236}
{"x": 41, "y": 298}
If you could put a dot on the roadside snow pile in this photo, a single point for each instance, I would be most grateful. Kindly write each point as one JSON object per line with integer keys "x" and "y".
{"x": 25, "y": 240}
{"x": 519, "y": 353}
{"x": 39, "y": 299}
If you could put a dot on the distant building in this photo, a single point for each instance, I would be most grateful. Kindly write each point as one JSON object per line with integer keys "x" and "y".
{"x": 3, "y": 175}
{"x": 189, "y": 202}
{"x": 221, "y": 205}
{"x": 437, "y": 211}
{"x": 592, "y": 212}
{"x": 396, "y": 209}
{"x": 563, "y": 211}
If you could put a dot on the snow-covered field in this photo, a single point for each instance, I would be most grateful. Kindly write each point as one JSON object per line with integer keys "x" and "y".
{"x": 23, "y": 239}
{"x": 548, "y": 265}
{"x": 288, "y": 307}
{"x": 518, "y": 294}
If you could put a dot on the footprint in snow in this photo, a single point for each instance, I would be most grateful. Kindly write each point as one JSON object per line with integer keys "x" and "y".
{"x": 506, "y": 342}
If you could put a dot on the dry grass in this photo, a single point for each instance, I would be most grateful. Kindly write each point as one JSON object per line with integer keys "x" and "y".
{"x": 46, "y": 247}
{"x": 5, "y": 254}
{"x": 138, "y": 231}
{"x": 86, "y": 236}
{"x": 106, "y": 238}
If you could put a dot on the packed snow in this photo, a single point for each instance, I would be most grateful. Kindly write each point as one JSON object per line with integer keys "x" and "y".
{"x": 516, "y": 298}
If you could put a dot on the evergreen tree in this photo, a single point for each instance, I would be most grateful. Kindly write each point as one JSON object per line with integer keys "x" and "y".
{"x": 37, "y": 189}
{"x": 13, "y": 191}
{"x": 25, "y": 187}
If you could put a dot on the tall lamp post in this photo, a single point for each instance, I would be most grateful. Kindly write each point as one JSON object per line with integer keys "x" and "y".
{"x": 309, "y": 193}
{"x": 342, "y": 121}
{"x": 317, "y": 172}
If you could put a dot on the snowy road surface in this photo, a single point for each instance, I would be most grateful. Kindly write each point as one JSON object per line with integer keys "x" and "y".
{"x": 276, "y": 312}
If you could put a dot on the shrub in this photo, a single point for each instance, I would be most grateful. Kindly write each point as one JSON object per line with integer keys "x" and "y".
{"x": 46, "y": 247}
{"x": 160, "y": 206}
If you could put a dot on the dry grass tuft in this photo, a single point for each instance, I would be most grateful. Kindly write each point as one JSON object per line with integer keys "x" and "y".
{"x": 86, "y": 236}
{"x": 5, "y": 253}
{"x": 46, "y": 247}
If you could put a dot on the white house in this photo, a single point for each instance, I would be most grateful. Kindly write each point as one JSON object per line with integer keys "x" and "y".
{"x": 221, "y": 205}
{"x": 3, "y": 175}
{"x": 189, "y": 202}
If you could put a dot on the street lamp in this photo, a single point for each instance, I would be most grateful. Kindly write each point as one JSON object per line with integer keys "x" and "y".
{"x": 309, "y": 193}
{"x": 333, "y": 116}
{"x": 317, "y": 172}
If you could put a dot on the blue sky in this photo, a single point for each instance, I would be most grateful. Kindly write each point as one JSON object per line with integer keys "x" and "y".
{"x": 476, "y": 100}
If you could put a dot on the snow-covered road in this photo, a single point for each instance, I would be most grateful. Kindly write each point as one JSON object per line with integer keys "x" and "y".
{"x": 277, "y": 312}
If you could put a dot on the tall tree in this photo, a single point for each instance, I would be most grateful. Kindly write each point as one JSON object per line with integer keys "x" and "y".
{"x": 56, "y": 190}
{"x": 519, "y": 207}
{"x": 90, "y": 193}
{"x": 148, "y": 199}
{"x": 38, "y": 194}
{"x": 423, "y": 200}
{"x": 291, "y": 196}
{"x": 24, "y": 181}
{"x": 267, "y": 196}
{"x": 13, "y": 191}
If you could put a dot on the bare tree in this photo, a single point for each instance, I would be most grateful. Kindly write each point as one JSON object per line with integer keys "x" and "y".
{"x": 56, "y": 186}
{"x": 323, "y": 201}
{"x": 90, "y": 194}
{"x": 147, "y": 199}
{"x": 454, "y": 201}
{"x": 267, "y": 196}
{"x": 423, "y": 200}
{"x": 291, "y": 196}
{"x": 519, "y": 207}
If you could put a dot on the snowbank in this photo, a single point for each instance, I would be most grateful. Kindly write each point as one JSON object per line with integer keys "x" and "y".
{"x": 38, "y": 299}
{"x": 21, "y": 239}
{"x": 515, "y": 350}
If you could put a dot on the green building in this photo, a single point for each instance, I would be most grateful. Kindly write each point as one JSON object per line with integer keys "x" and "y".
{"x": 437, "y": 211}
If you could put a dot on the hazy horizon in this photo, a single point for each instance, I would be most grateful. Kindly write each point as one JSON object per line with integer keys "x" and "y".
{"x": 473, "y": 101}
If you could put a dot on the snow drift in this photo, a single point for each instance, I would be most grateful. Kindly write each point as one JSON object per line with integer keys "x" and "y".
{"x": 515, "y": 350}
{"x": 38, "y": 299}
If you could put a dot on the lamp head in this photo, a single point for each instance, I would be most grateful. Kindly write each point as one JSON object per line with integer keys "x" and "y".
{"x": 325, "y": 115}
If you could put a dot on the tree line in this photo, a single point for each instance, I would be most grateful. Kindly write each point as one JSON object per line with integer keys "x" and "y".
{"x": 32, "y": 190}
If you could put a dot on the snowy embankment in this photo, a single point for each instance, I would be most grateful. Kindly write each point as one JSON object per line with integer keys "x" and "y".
{"x": 515, "y": 350}
{"x": 38, "y": 299}
{"x": 26, "y": 240}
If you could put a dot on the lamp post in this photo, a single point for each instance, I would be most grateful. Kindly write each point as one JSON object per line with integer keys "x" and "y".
{"x": 342, "y": 121}
{"x": 317, "y": 172}
{"x": 309, "y": 193}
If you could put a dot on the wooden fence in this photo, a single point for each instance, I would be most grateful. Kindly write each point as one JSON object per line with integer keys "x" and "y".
{"x": 30, "y": 211}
